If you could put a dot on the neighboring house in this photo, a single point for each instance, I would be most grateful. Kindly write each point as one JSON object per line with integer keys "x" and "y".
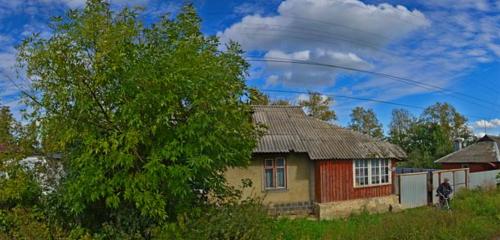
{"x": 303, "y": 162}
{"x": 480, "y": 156}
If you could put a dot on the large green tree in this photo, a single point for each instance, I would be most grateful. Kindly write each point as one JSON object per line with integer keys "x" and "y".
{"x": 365, "y": 121}
{"x": 147, "y": 116}
{"x": 318, "y": 106}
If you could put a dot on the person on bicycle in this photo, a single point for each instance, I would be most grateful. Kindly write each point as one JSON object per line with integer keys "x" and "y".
{"x": 444, "y": 190}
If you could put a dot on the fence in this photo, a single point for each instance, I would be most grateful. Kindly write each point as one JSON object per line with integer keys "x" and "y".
{"x": 413, "y": 189}
{"x": 401, "y": 170}
{"x": 457, "y": 179}
{"x": 483, "y": 179}
{"x": 418, "y": 188}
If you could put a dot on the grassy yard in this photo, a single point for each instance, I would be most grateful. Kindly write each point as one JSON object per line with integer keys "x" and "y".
{"x": 475, "y": 215}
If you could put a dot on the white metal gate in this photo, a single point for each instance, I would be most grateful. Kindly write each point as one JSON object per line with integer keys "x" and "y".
{"x": 413, "y": 189}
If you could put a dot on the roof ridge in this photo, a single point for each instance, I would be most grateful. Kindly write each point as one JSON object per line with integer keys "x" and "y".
{"x": 276, "y": 106}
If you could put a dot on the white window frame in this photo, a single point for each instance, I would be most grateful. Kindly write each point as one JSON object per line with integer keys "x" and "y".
{"x": 275, "y": 174}
{"x": 370, "y": 184}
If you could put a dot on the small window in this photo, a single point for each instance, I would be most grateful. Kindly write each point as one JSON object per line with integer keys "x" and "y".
{"x": 371, "y": 172}
{"x": 275, "y": 173}
{"x": 465, "y": 165}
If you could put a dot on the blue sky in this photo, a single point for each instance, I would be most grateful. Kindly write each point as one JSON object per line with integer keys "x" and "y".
{"x": 446, "y": 44}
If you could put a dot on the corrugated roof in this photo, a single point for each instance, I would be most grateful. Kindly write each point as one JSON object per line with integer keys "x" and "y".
{"x": 289, "y": 129}
{"x": 484, "y": 151}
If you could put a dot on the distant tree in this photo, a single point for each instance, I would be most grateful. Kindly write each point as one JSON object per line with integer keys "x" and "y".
{"x": 365, "y": 121}
{"x": 426, "y": 143}
{"x": 453, "y": 123}
{"x": 20, "y": 188}
{"x": 256, "y": 97}
{"x": 431, "y": 136}
{"x": 8, "y": 126}
{"x": 281, "y": 102}
{"x": 146, "y": 133}
{"x": 318, "y": 106}
{"x": 400, "y": 125}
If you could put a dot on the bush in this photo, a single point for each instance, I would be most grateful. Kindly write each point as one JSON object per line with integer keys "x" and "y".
{"x": 25, "y": 223}
{"x": 246, "y": 220}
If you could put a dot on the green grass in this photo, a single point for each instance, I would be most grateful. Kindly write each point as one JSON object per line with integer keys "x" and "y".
{"x": 475, "y": 215}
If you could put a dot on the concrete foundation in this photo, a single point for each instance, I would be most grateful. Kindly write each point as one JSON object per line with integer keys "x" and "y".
{"x": 344, "y": 209}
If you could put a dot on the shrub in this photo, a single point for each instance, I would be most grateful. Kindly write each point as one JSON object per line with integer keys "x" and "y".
{"x": 25, "y": 223}
{"x": 245, "y": 220}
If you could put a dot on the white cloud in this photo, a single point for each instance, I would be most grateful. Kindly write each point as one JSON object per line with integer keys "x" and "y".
{"x": 338, "y": 22}
{"x": 336, "y": 32}
{"x": 303, "y": 75}
{"x": 482, "y": 124}
{"x": 384, "y": 38}
{"x": 304, "y": 97}
{"x": 482, "y": 5}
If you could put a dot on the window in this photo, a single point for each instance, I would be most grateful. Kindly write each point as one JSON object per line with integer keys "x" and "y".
{"x": 371, "y": 172}
{"x": 361, "y": 173}
{"x": 275, "y": 173}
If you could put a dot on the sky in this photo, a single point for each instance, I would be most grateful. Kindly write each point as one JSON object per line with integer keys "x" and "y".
{"x": 408, "y": 52}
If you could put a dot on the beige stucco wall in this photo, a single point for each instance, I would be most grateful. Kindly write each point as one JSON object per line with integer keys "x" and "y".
{"x": 299, "y": 179}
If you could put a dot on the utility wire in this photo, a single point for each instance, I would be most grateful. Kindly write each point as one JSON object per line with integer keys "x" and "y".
{"x": 409, "y": 81}
{"x": 363, "y": 99}
{"x": 335, "y": 35}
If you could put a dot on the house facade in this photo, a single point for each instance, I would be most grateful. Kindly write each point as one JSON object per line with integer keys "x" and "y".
{"x": 484, "y": 155}
{"x": 305, "y": 163}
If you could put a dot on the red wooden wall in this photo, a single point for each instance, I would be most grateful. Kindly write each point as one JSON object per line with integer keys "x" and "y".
{"x": 334, "y": 182}
{"x": 473, "y": 167}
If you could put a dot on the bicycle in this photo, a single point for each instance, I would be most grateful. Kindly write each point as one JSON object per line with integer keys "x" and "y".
{"x": 444, "y": 202}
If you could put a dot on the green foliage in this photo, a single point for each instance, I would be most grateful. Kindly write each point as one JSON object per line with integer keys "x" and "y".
{"x": 18, "y": 188}
{"x": 429, "y": 137}
{"x": 246, "y": 220}
{"x": 146, "y": 117}
{"x": 400, "y": 126}
{"x": 451, "y": 121}
{"x": 365, "y": 121}
{"x": 474, "y": 216}
{"x": 7, "y": 126}
{"x": 27, "y": 223}
{"x": 318, "y": 106}
{"x": 256, "y": 97}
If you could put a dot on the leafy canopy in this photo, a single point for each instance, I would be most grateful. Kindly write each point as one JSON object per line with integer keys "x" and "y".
{"x": 318, "y": 106}
{"x": 366, "y": 122}
{"x": 430, "y": 136}
{"x": 147, "y": 117}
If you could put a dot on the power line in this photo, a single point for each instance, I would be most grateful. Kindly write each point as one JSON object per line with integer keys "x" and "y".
{"x": 364, "y": 99}
{"x": 342, "y": 38}
{"x": 348, "y": 97}
{"x": 390, "y": 76}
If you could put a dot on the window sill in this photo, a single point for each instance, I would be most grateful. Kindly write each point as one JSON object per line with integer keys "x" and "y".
{"x": 374, "y": 185}
{"x": 275, "y": 190}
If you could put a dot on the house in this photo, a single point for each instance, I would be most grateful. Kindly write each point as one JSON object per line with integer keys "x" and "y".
{"x": 480, "y": 156}
{"x": 305, "y": 163}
